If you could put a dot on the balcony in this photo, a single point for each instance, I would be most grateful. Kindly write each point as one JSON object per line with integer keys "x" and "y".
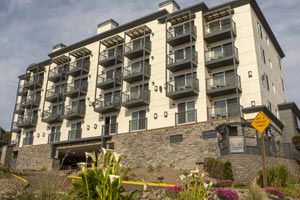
{"x": 138, "y": 124}
{"x": 177, "y": 37}
{"x": 74, "y": 112}
{"x": 221, "y": 56}
{"x": 52, "y": 116}
{"x": 102, "y": 106}
{"x": 54, "y": 137}
{"x": 53, "y": 95}
{"x": 104, "y": 82}
{"x": 186, "y": 117}
{"x": 31, "y": 102}
{"x": 180, "y": 89}
{"x": 109, "y": 129}
{"x": 78, "y": 67}
{"x": 27, "y": 141}
{"x": 22, "y": 91}
{"x": 219, "y": 30}
{"x": 136, "y": 72}
{"x": 15, "y": 127}
{"x": 130, "y": 99}
{"x": 182, "y": 60}
{"x": 224, "y": 112}
{"x": 137, "y": 48}
{"x": 227, "y": 85}
{"x": 57, "y": 74}
{"x": 109, "y": 57}
{"x": 27, "y": 122}
{"x": 19, "y": 109}
{"x": 34, "y": 83}
{"x": 75, "y": 134}
{"x": 75, "y": 91}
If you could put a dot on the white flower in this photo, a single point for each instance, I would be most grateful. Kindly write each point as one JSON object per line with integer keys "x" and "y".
{"x": 195, "y": 171}
{"x": 202, "y": 175}
{"x": 104, "y": 150}
{"x": 91, "y": 155}
{"x": 190, "y": 175}
{"x": 117, "y": 156}
{"x": 206, "y": 185}
{"x": 112, "y": 178}
{"x": 182, "y": 177}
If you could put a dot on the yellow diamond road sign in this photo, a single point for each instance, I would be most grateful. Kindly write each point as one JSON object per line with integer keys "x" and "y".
{"x": 260, "y": 122}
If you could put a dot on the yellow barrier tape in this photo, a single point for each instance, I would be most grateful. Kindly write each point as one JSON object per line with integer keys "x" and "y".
{"x": 20, "y": 178}
{"x": 136, "y": 183}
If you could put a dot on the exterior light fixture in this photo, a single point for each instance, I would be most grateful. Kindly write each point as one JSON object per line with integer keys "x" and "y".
{"x": 95, "y": 126}
{"x": 87, "y": 127}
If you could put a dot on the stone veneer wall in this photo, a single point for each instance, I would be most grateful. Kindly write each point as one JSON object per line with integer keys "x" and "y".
{"x": 245, "y": 167}
{"x": 153, "y": 147}
{"x": 35, "y": 157}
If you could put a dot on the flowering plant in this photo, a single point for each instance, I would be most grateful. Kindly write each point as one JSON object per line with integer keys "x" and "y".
{"x": 103, "y": 180}
{"x": 194, "y": 187}
{"x": 275, "y": 192}
{"x": 226, "y": 194}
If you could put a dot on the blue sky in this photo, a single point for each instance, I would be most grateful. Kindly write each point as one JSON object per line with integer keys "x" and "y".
{"x": 29, "y": 29}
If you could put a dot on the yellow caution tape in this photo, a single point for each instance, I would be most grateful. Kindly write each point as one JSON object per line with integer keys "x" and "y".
{"x": 136, "y": 183}
{"x": 20, "y": 178}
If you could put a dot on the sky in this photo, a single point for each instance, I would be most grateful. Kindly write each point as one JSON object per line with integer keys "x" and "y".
{"x": 29, "y": 29}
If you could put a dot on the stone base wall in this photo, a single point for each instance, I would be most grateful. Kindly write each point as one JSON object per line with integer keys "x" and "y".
{"x": 34, "y": 157}
{"x": 245, "y": 167}
{"x": 153, "y": 147}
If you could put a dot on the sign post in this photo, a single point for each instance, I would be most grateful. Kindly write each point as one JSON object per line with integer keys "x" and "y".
{"x": 260, "y": 123}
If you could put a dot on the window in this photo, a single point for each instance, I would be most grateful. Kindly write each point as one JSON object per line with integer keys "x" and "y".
{"x": 28, "y": 138}
{"x": 186, "y": 112}
{"x": 176, "y": 138}
{"x": 222, "y": 79}
{"x": 54, "y": 134}
{"x": 279, "y": 63}
{"x": 222, "y": 51}
{"x": 184, "y": 81}
{"x": 112, "y": 97}
{"x": 259, "y": 30}
{"x": 270, "y": 63}
{"x": 138, "y": 120}
{"x": 75, "y": 131}
{"x": 269, "y": 106}
{"x": 139, "y": 92}
{"x": 265, "y": 80}
{"x": 226, "y": 108}
{"x": 183, "y": 54}
{"x": 282, "y": 84}
{"x": 110, "y": 126}
{"x": 274, "y": 89}
{"x": 267, "y": 40}
{"x": 262, "y": 54}
{"x": 209, "y": 134}
{"x": 297, "y": 122}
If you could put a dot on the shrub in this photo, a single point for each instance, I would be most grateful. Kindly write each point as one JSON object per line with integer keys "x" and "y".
{"x": 217, "y": 169}
{"x": 227, "y": 194}
{"x": 277, "y": 176}
{"x": 275, "y": 192}
{"x": 255, "y": 193}
{"x": 222, "y": 183}
{"x": 296, "y": 141}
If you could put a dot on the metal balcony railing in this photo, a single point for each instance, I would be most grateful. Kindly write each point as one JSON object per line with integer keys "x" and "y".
{"x": 136, "y": 71}
{"x": 220, "y": 26}
{"x": 225, "y": 82}
{"x": 79, "y": 66}
{"x": 182, "y": 56}
{"x": 227, "y": 111}
{"x": 57, "y": 72}
{"x": 129, "y": 96}
{"x": 220, "y": 53}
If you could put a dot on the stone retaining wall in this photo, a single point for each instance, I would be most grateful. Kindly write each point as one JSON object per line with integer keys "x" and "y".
{"x": 153, "y": 147}
{"x": 35, "y": 157}
{"x": 245, "y": 167}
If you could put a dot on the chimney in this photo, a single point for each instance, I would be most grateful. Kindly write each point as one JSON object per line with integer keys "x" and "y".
{"x": 106, "y": 26}
{"x": 58, "y": 47}
{"x": 170, "y": 5}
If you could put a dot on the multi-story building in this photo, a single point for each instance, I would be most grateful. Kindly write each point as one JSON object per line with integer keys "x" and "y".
{"x": 172, "y": 87}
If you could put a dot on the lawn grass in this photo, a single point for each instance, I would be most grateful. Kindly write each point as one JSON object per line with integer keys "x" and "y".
{"x": 291, "y": 190}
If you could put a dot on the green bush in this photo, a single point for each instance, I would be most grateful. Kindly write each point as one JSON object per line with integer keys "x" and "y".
{"x": 277, "y": 176}
{"x": 217, "y": 169}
